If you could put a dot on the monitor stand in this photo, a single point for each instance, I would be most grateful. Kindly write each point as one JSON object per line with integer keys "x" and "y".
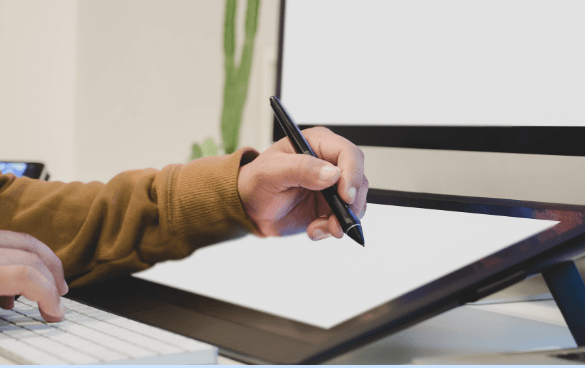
{"x": 567, "y": 288}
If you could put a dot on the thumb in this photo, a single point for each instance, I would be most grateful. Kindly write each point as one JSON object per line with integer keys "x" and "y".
{"x": 306, "y": 171}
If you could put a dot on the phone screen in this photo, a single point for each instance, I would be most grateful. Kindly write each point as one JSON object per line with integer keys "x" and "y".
{"x": 16, "y": 168}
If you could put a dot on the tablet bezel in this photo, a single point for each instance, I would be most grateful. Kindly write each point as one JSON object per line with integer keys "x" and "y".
{"x": 256, "y": 337}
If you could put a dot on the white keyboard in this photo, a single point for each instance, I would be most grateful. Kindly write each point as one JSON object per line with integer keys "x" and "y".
{"x": 91, "y": 336}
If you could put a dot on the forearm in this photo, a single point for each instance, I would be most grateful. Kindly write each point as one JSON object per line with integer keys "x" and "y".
{"x": 135, "y": 220}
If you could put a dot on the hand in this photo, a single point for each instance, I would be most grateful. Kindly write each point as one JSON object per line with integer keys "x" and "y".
{"x": 30, "y": 268}
{"x": 279, "y": 189}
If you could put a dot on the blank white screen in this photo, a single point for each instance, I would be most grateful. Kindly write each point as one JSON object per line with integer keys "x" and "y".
{"x": 428, "y": 62}
{"x": 327, "y": 282}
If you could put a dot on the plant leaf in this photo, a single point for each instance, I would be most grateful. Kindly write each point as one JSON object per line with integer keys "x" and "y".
{"x": 209, "y": 148}
{"x": 196, "y": 152}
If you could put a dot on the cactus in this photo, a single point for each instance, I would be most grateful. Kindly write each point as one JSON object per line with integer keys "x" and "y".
{"x": 237, "y": 77}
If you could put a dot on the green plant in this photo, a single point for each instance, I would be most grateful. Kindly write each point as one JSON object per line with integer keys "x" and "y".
{"x": 237, "y": 77}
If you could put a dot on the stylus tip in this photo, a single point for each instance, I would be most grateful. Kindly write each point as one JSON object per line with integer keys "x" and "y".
{"x": 356, "y": 234}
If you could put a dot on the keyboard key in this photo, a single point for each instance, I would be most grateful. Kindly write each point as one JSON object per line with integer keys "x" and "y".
{"x": 41, "y": 328}
{"x": 136, "y": 338}
{"x": 9, "y": 327}
{"x": 53, "y": 347}
{"x": 104, "y": 354}
{"x": 108, "y": 341}
{"x": 29, "y": 323}
{"x": 160, "y": 334}
{"x": 18, "y": 318}
{"x": 29, "y": 354}
{"x": 17, "y": 333}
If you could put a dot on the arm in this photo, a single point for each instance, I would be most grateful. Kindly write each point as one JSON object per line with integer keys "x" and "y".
{"x": 135, "y": 220}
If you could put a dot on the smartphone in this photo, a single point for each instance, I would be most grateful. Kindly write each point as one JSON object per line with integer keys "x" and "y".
{"x": 34, "y": 170}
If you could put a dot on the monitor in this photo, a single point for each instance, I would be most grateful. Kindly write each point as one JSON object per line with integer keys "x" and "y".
{"x": 454, "y": 78}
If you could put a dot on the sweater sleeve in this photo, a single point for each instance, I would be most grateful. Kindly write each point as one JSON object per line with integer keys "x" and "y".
{"x": 135, "y": 220}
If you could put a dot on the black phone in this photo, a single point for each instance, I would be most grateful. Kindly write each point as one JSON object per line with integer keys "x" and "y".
{"x": 34, "y": 170}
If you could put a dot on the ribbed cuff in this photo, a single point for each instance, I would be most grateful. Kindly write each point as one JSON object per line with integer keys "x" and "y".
{"x": 204, "y": 198}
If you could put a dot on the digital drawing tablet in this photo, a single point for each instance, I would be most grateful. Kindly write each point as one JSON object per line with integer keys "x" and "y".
{"x": 290, "y": 300}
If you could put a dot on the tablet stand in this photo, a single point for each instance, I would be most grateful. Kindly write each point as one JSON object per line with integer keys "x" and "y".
{"x": 567, "y": 287}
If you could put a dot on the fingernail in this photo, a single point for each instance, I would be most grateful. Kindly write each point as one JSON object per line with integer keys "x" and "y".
{"x": 327, "y": 173}
{"x": 319, "y": 234}
{"x": 351, "y": 193}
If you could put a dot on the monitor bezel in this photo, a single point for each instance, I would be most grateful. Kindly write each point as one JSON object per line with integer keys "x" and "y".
{"x": 543, "y": 140}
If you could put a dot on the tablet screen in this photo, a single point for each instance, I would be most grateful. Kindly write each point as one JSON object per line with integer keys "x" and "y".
{"x": 327, "y": 282}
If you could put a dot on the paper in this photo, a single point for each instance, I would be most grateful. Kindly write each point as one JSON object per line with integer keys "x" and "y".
{"x": 327, "y": 282}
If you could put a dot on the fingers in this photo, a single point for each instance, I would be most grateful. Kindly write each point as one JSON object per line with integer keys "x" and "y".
{"x": 31, "y": 283}
{"x": 338, "y": 151}
{"x": 305, "y": 171}
{"x": 325, "y": 227}
{"x": 341, "y": 152}
{"x": 359, "y": 205}
{"x": 319, "y": 229}
{"x": 25, "y": 242}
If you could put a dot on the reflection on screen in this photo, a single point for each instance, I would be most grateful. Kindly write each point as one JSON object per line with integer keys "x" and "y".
{"x": 16, "y": 168}
{"x": 327, "y": 282}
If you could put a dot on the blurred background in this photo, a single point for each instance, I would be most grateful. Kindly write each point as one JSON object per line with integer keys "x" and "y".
{"x": 94, "y": 87}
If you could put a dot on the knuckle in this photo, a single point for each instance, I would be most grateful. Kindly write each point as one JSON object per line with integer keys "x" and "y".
{"x": 360, "y": 153}
{"x": 31, "y": 241}
{"x": 35, "y": 260}
{"x": 320, "y": 130}
{"x": 58, "y": 263}
{"x": 27, "y": 258}
{"x": 25, "y": 274}
{"x": 303, "y": 166}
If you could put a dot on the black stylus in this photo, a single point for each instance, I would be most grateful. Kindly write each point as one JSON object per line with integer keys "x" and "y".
{"x": 349, "y": 222}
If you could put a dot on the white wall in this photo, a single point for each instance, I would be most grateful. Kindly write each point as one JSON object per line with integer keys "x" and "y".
{"x": 97, "y": 87}
{"x": 150, "y": 82}
{"x": 37, "y": 71}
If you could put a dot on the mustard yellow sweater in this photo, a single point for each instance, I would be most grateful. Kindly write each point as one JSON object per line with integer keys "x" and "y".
{"x": 135, "y": 220}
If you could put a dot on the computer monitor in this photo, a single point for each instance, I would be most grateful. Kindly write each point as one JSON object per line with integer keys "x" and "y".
{"x": 481, "y": 98}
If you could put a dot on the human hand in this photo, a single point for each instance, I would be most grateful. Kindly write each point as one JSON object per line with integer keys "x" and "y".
{"x": 30, "y": 268}
{"x": 279, "y": 189}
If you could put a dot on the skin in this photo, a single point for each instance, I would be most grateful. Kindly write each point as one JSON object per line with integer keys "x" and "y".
{"x": 34, "y": 271}
{"x": 278, "y": 187}
{"x": 278, "y": 191}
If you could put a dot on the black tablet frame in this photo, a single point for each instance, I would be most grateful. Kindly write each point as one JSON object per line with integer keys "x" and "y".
{"x": 255, "y": 337}
{"x": 543, "y": 140}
